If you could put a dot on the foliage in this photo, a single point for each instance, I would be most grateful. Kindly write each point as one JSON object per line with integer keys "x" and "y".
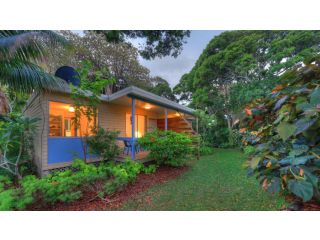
{"x": 240, "y": 66}
{"x": 284, "y": 129}
{"x": 214, "y": 183}
{"x": 86, "y": 98}
{"x": 161, "y": 88}
{"x": 67, "y": 185}
{"x": 158, "y": 43}
{"x": 248, "y": 150}
{"x": 206, "y": 150}
{"x": 167, "y": 147}
{"x": 11, "y": 101}
{"x": 16, "y": 143}
{"x": 120, "y": 58}
{"x": 20, "y": 52}
{"x": 152, "y": 168}
{"x": 103, "y": 143}
{"x": 123, "y": 175}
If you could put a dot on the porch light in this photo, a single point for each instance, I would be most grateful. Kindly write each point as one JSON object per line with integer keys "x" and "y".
{"x": 71, "y": 109}
{"x": 177, "y": 114}
{"x": 147, "y": 106}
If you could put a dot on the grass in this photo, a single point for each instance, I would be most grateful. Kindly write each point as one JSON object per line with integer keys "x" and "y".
{"x": 215, "y": 182}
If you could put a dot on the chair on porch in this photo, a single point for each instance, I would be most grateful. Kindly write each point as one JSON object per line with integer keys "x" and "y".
{"x": 128, "y": 147}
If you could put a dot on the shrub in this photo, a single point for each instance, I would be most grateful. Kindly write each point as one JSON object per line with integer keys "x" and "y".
{"x": 205, "y": 150}
{"x": 123, "y": 174}
{"x": 167, "y": 147}
{"x": 152, "y": 168}
{"x": 284, "y": 130}
{"x": 16, "y": 135}
{"x": 248, "y": 150}
{"x": 103, "y": 143}
{"x": 66, "y": 185}
{"x": 7, "y": 200}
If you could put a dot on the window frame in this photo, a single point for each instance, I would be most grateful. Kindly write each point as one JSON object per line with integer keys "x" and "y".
{"x": 48, "y": 118}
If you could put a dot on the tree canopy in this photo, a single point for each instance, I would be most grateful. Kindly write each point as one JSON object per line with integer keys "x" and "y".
{"x": 120, "y": 58}
{"x": 239, "y": 66}
{"x": 158, "y": 43}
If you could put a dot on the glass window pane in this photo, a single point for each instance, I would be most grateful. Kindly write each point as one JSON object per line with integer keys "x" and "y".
{"x": 61, "y": 121}
{"x": 140, "y": 125}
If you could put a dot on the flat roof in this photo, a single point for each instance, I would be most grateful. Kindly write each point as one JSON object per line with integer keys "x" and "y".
{"x": 138, "y": 93}
{"x": 141, "y": 94}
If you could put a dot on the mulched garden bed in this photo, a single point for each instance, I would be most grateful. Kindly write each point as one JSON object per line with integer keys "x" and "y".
{"x": 297, "y": 205}
{"x": 89, "y": 200}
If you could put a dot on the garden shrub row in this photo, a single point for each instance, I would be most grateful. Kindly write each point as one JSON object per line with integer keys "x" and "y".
{"x": 68, "y": 185}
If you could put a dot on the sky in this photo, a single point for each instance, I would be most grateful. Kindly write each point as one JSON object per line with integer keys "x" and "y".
{"x": 170, "y": 68}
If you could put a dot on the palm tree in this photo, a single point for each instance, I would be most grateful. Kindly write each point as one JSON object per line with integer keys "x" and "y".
{"x": 20, "y": 54}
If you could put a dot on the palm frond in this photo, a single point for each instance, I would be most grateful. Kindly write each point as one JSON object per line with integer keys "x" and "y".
{"x": 27, "y": 45}
{"x": 25, "y": 76}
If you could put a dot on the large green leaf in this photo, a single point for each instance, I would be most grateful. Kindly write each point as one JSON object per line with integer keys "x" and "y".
{"x": 304, "y": 106}
{"x": 315, "y": 97}
{"x": 274, "y": 186}
{"x": 301, "y": 188}
{"x": 301, "y": 160}
{"x": 298, "y": 150}
{"x": 303, "y": 124}
{"x": 310, "y": 176}
{"x": 254, "y": 162}
{"x": 286, "y": 130}
{"x": 280, "y": 102}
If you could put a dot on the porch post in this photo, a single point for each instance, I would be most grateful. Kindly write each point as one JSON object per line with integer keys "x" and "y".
{"x": 166, "y": 119}
{"x": 197, "y": 125}
{"x": 133, "y": 119}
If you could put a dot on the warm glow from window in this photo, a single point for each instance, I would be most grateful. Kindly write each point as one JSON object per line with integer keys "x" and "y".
{"x": 140, "y": 125}
{"x": 71, "y": 109}
{"x": 62, "y": 121}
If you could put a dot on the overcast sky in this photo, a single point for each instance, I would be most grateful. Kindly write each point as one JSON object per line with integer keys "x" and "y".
{"x": 171, "y": 68}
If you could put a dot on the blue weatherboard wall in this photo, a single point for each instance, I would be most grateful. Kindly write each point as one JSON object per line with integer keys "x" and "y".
{"x": 65, "y": 149}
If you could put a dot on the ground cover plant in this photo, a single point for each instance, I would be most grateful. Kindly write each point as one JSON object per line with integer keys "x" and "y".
{"x": 68, "y": 185}
{"x": 284, "y": 130}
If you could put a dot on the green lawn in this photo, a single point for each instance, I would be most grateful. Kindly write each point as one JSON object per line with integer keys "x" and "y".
{"x": 215, "y": 182}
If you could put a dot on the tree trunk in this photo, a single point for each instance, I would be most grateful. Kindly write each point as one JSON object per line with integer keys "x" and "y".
{"x": 4, "y": 106}
{"x": 229, "y": 121}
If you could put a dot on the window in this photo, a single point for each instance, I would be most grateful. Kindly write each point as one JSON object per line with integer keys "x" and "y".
{"x": 61, "y": 121}
{"x": 140, "y": 125}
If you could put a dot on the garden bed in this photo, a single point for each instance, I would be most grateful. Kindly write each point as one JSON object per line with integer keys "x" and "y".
{"x": 90, "y": 201}
{"x": 295, "y": 204}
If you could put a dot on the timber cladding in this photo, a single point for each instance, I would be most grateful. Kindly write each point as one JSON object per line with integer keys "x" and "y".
{"x": 110, "y": 116}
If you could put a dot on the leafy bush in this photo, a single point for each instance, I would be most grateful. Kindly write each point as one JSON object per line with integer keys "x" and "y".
{"x": 103, "y": 143}
{"x": 123, "y": 174}
{"x": 284, "y": 129}
{"x": 16, "y": 143}
{"x": 248, "y": 150}
{"x": 152, "y": 168}
{"x": 67, "y": 185}
{"x": 167, "y": 147}
{"x": 205, "y": 150}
